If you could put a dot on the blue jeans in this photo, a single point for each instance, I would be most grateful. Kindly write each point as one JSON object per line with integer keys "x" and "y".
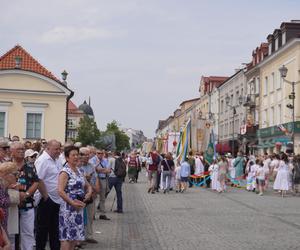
{"x": 117, "y": 183}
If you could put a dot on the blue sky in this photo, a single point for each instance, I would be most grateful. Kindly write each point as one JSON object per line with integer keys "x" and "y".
{"x": 138, "y": 60}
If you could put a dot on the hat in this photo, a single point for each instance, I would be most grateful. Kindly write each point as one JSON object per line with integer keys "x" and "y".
{"x": 4, "y": 144}
{"x": 30, "y": 153}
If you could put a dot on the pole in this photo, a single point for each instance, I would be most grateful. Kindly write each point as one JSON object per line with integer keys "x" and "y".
{"x": 293, "y": 133}
{"x": 233, "y": 132}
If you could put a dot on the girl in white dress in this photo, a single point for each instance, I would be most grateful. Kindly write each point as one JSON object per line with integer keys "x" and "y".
{"x": 282, "y": 178}
{"x": 251, "y": 170}
{"x": 214, "y": 174}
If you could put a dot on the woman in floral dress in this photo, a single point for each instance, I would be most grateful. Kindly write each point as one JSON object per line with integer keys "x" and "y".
{"x": 71, "y": 187}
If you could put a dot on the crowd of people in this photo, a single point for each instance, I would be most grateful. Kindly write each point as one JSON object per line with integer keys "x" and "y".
{"x": 253, "y": 172}
{"x": 48, "y": 192}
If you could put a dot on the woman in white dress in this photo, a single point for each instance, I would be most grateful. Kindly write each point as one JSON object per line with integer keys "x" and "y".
{"x": 282, "y": 178}
{"x": 214, "y": 174}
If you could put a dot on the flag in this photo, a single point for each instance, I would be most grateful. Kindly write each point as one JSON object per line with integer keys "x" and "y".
{"x": 183, "y": 144}
{"x": 210, "y": 153}
{"x": 283, "y": 129}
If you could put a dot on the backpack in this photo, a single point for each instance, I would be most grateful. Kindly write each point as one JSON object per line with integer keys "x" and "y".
{"x": 120, "y": 168}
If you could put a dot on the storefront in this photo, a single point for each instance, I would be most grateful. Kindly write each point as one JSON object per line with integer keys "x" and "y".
{"x": 278, "y": 138}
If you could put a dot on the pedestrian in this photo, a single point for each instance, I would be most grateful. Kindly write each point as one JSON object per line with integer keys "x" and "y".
{"x": 153, "y": 162}
{"x": 116, "y": 178}
{"x": 238, "y": 164}
{"x": 27, "y": 184}
{"x": 167, "y": 166}
{"x": 251, "y": 170}
{"x": 199, "y": 167}
{"x": 177, "y": 177}
{"x": 132, "y": 165}
{"x": 296, "y": 173}
{"x": 214, "y": 176}
{"x": 4, "y": 241}
{"x": 261, "y": 176}
{"x": 7, "y": 180}
{"x": 103, "y": 170}
{"x": 4, "y": 152}
{"x": 281, "y": 182}
{"x": 274, "y": 166}
{"x": 185, "y": 172}
{"x": 267, "y": 162}
{"x": 90, "y": 175}
{"x": 48, "y": 167}
{"x": 71, "y": 187}
{"x": 30, "y": 156}
{"x": 223, "y": 169}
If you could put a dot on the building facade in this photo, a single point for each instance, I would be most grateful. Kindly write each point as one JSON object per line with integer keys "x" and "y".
{"x": 231, "y": 112}
{"x": 33, "y": 102}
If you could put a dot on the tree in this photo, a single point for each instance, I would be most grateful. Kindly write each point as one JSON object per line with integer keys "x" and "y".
{"x": 122, "y": 140}
{"x": 88, "y": 132}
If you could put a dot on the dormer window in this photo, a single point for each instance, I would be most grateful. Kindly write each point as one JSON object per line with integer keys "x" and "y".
{"x": 283, "y": 38}
{"x": 276, "y": 44}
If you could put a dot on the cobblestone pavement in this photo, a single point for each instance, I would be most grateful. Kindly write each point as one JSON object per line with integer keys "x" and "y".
{"x": 200, "y": 219}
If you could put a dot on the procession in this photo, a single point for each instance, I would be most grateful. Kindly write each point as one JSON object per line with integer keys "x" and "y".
{"x": 149, "y": 125}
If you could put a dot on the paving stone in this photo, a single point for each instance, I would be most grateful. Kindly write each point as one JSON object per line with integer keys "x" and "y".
{"x": 200, "y": 219}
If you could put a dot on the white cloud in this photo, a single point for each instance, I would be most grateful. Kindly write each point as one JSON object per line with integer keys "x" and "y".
{"x": 71, "y": 34}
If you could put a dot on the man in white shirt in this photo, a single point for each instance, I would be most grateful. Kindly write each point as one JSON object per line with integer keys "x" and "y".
{"x": 48, "y": 167}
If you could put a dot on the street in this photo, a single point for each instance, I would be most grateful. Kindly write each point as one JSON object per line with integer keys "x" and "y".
{"x": 199, "y": 219}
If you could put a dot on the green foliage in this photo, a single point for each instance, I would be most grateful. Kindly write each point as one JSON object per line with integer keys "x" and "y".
{"x": 88, "y": 133}
{"x": 122, "y": 140}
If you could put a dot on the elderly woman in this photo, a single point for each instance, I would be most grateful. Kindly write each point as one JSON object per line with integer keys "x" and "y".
{"x": 75, "y": 191}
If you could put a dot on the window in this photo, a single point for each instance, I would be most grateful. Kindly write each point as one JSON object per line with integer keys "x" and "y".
{"x": 266, "y": 86}
{"x": 256, "y": 85}
{"x": 272, "y": 117}
{"x": 279, "y": 114}
{"x": 270, "y": 48}
{"x": 276, "y": 44}
{"x": 33, "y": 125}
{"x": 237, "y": 98}
{"x": 222, "y": 106}
{"x": 278, "y": 80}
{"x": 283, "y": 38}
{"x": 273, "y": 80}
{"x": 2, "y": 124}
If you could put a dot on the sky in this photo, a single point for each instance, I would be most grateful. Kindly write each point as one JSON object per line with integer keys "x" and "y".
{"x": 139, "y": 59}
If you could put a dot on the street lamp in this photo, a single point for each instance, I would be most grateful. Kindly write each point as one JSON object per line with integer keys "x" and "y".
{"x": 227, "y": 100}
{"x": 283, "y": 73}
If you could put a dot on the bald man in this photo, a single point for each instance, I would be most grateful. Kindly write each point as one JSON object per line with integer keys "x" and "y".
{"x": 48, "y": 167}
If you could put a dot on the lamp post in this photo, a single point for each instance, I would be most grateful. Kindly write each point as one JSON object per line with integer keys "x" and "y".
{"x": 227, "y": 100}
{"x": 283, "y": 73}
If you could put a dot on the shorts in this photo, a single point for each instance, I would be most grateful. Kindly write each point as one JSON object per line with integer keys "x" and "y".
{"x": 261, "y": 182}
{"x": 184, "y": 179}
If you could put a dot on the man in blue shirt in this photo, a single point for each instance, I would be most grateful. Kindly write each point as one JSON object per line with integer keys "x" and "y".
{"x": 103, "y": 170}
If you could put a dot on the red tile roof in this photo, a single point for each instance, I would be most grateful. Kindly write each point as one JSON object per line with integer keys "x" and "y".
{"x": 7, "y": 61}
{"x": 73, "y": 109}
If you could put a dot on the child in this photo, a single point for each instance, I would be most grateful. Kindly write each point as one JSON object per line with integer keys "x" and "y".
{"x": 185, "y": 172}
{"x": 251, "y": 180}
{"x": 214, "y": 174}
{"x": 261, "y": 176}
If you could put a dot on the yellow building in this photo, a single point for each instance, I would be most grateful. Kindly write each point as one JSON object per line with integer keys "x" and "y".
{"x": 275, "y": 108}
{"x": 33, "y": 102}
